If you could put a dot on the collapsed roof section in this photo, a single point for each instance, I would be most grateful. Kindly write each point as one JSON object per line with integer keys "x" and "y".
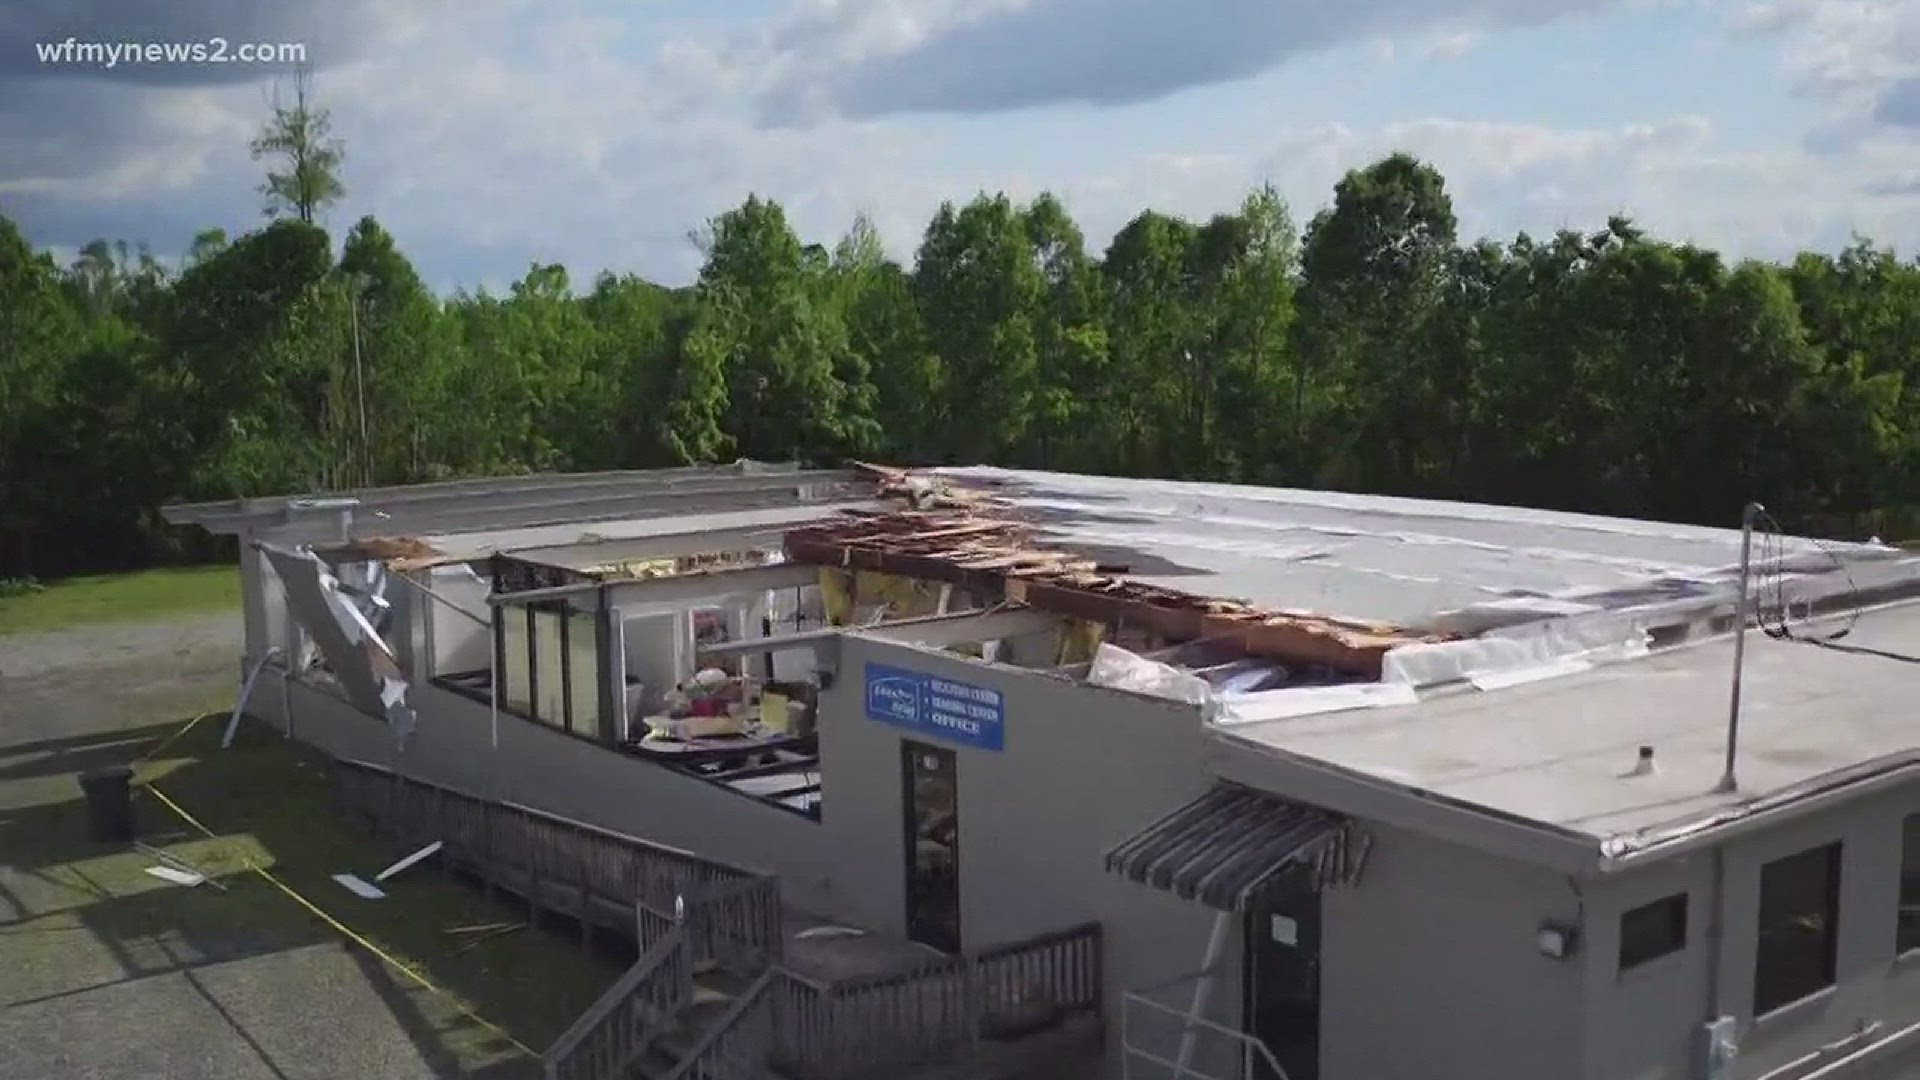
{"x": 968, "y": 543}
{"x": 336, "y": 617}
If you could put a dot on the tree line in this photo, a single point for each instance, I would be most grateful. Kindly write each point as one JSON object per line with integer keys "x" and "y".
{"x": 1373, "y": 350}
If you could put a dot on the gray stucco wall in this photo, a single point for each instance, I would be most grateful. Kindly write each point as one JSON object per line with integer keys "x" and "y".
{"x": 569, "y": 776}
{"x": 1645, "y": 1023}
{"x": 1082, "y": 770}
{"x": 1430, "y": 968}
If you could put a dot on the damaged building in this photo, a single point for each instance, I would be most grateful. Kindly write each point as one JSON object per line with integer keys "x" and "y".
{"x": 1060, "y": 775}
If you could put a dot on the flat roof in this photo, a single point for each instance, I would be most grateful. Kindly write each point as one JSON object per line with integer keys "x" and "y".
{"x": 1558, "y": 751}
{"x": 1374, "y": 558}
{"x": 578, "y": 545}
{"x": 525, "y": 502}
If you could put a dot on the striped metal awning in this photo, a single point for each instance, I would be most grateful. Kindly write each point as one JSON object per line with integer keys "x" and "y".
{"x": 1228, "y": 847}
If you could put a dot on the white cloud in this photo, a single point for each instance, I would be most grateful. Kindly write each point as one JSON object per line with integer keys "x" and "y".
{"x": 491, "y": 137}
{"x": 1859, "y": 58}
{"x": 1671, "y": 176}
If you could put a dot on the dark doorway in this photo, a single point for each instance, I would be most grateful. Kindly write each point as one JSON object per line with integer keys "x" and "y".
{"x": 1282, "y": 991}
{"x": 931, "y": 786}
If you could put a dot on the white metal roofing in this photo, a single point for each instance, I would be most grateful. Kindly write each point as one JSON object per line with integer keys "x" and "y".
{"x": 1376, "y": 557}
{"x": 593, "y": 543}
{"x": 522, "y": 502}
{"x": 1557, "y": 751}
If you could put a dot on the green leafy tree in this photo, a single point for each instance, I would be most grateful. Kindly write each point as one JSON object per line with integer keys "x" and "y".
{"x": 981, "y": 295}
{"x": 1244, "y": 267}
{"x": 796, "y": 389}
{"x": 299, "y": 140}
{"x": 1375, "y": 271}
{"x": 1150, "y": 325}
{"x": 1070, "y": 341}
{"x": 691, "y": 428}
{"x": 38, "y": 327}
{"x": 874, "y": 298}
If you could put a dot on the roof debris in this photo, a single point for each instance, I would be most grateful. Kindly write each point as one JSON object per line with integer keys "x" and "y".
{"x": 968, "y": 538}
{"x": 402, "y": 553}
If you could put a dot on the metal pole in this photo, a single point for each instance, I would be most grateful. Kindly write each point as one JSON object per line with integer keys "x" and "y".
{"x": 1742, "y": 612}
{"x": 436, "y": 596}
{"x": 286, "y": 698}
{"x": 246, "y": 695}
{"x": 359, "y": 382}
{"x": 1203, "y": 993}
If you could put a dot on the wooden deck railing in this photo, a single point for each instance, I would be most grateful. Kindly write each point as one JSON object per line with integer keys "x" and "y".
{"x": 618, "y": 1028}
{"x": 686, "y": 910}
{"x": 824, "y": 1030}
{"x": 736, "y": 1047}
{"x": 593, "y": 874}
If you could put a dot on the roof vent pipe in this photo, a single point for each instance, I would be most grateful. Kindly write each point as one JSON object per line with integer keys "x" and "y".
{"x": 1643, "y": 766}
{"x": 1743, "y": 612}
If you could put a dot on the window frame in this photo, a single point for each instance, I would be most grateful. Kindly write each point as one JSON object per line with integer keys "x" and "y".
{"x": 1667, "y": 915}
{"x": 1831, "y": 856}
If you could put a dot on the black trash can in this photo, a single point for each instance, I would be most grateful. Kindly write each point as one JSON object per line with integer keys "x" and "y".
{"x": 109, "y": 802}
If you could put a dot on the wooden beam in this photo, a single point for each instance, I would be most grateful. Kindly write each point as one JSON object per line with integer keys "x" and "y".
{"x": 992, "y": 625}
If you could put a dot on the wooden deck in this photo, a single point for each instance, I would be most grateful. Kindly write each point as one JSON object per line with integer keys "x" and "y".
{"x": 826, "y": 1007}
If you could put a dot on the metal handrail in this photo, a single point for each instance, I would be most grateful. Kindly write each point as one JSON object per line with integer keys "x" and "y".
{"x": 1188, "y": 1022}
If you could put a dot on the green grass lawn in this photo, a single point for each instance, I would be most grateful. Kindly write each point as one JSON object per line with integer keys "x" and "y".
{"x": 130, "y": 597}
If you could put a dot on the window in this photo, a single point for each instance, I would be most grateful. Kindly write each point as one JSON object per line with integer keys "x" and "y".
{"x": 1907, "y": 936}
{"x": 550, "y": 666}
{"x": 1799, "y": 925}
{"x": 583, "y": 675}
{"x": 549, "y": 670}
{"x": 1653, "y": 930}
{"x": 516, "y": 674}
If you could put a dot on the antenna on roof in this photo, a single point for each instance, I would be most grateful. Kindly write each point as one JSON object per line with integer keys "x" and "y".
{"x": 1743, "y": 611}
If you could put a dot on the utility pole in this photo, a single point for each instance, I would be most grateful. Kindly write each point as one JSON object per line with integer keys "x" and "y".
{"x": 354, "y": 285}
{"x": 1743, "y": 610}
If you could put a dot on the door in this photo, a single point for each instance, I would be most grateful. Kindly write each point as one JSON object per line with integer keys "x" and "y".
{"x": 1282, "y": 991}
{"x": 930, "y": 786}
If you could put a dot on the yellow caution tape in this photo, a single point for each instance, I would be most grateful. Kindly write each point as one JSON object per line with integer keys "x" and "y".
{"x": 344, "y": 929}
{"x": 173, "y": 738}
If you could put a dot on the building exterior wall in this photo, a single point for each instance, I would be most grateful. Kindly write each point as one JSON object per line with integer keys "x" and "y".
{"x": 1430, "y": 968}
{"x": 1082, "y": 769}
{"x": 1646, "y": 1022}
{"x": 559, "y": 773}
{"x": 262, "y": 603}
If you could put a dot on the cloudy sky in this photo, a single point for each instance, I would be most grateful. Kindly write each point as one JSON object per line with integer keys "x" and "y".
{"x": 487, "y": 135}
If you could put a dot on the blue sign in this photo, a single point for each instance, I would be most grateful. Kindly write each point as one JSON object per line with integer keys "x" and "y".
{"x": 973, "y": 716}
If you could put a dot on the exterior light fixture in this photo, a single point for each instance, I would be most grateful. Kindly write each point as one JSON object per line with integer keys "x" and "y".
{"x": 1556, "y": 940}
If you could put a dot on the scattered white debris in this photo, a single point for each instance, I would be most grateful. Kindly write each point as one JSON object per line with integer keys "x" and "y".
{"x": 175, "y": 869}
{"x": 423, "y": 853}
{"x": 178, "y": 877}
{"x": 359, "y": 888}
{"x": 1118, "y": 669}
{"x": 367, "y": 890}
{"x": 829, "y": 931}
